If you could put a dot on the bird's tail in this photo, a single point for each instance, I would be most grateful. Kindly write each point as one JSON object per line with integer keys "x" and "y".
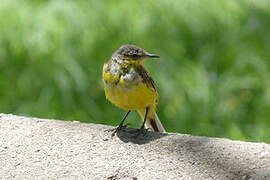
{"x": 152, "y": 120}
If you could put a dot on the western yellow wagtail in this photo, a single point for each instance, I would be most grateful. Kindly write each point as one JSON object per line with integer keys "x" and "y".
{"x": 128, "y": 85}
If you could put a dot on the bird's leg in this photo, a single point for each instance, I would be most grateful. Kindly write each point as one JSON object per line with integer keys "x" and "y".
{"x": 145, "y": 117}
{"x": 120, "y": 126}
{"x": 142, "y": 129}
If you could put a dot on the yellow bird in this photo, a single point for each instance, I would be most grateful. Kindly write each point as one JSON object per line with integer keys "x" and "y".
{"x": 128, "y": 85}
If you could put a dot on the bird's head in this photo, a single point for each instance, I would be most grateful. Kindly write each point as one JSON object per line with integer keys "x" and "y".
{"x": 133, "y": 53}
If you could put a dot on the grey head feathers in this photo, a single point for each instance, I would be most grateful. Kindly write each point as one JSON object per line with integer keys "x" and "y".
{"x": 132, "y": 52}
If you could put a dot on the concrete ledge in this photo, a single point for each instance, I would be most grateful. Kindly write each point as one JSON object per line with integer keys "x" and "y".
{"x": 32, "y": 148}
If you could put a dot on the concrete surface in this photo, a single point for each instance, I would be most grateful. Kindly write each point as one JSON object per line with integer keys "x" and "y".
{"x": 32, "y": 148}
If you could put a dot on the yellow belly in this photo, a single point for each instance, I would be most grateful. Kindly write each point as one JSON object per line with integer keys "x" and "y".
{"x": 131, "y": 98}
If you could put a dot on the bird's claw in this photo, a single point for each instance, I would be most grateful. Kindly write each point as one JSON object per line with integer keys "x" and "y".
{"x": 141, "y": 131}
{"x": 115, "y": 130}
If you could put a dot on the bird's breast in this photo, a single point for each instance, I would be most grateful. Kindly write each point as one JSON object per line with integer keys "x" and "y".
{"x": 125, "y": 88}
{"x": 132, "y": 97}
{"x": 120, "y": 76}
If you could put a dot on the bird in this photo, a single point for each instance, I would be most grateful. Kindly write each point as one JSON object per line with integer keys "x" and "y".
{"x": 128, "y": 85}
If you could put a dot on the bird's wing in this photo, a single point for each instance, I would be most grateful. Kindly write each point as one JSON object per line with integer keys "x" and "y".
{"x": 146, "y": 77}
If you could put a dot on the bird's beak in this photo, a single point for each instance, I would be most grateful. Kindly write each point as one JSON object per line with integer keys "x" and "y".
{"x": 151, "y": 55}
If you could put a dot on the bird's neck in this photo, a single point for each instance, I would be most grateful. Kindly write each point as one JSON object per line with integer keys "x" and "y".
{"x": 134, "y": 62}
{"x": 130, "y": 62}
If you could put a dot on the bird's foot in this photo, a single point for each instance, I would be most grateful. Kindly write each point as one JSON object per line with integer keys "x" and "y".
{"x": 141, "y": 131}
{"x": 115, "y": 130}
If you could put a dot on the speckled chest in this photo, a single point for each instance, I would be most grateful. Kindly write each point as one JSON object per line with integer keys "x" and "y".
{"x": 120, "y": 74}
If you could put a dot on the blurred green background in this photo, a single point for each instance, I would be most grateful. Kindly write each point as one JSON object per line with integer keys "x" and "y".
{"x": 213, "y": 74}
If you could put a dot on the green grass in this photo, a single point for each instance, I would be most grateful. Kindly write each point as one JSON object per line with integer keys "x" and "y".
{"x": 213, "y": 75}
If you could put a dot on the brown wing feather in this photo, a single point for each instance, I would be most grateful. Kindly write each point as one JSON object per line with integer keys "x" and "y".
{"x": 146, "y": 78}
